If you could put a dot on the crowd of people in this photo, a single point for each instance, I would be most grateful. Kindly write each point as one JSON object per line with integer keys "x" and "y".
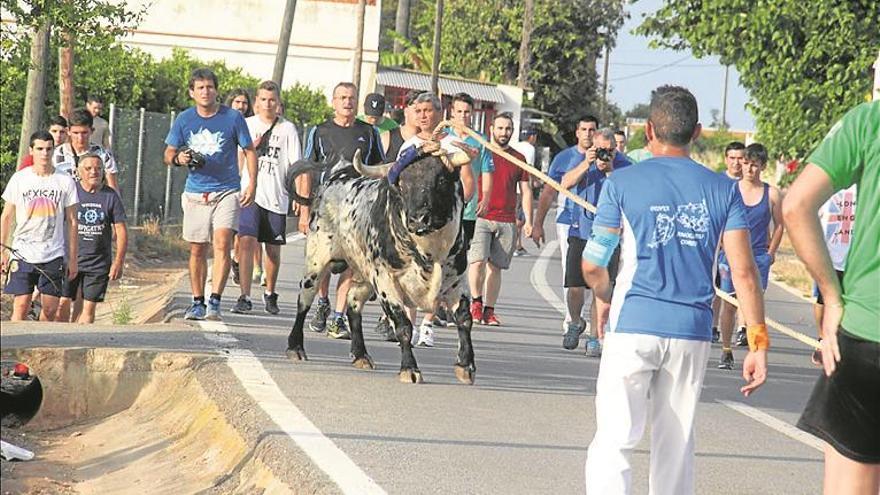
{"x": 666, "y": 233}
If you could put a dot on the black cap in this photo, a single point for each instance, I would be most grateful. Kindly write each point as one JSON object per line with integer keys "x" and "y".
{"x": 374, "y": 105}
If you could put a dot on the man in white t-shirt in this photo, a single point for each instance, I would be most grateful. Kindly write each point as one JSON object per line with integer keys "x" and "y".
{"x": 42, "y": 203}
{"x": 278, "y": 148}
{"x": 66, "y": 156}
{"x": 837, "y": 218}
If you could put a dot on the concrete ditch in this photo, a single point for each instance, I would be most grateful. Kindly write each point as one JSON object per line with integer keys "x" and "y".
{"x": 135, "y": 421}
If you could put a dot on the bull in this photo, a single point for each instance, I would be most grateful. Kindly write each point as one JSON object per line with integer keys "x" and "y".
{"x": 404, "y": 242}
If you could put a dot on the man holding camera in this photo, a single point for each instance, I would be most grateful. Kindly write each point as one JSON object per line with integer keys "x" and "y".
{"x": 600, "y": 159}
{"x": 206, "y": 139}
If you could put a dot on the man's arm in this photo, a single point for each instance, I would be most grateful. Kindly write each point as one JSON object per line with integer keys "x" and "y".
{"x": 116, "y": 268}
{"x": 747, "y": 283}
{"x": 72, "y": 244}
{"x": 524, "y": 187}
{"x": 810, "y": 191}
{"x": 573, "y": 176}
{"x": 247, "y": 196}
{"x": 778, "y": 226}
{"x": 467, "y": 181}
{"x": 486, "y": 187}
{"x": 171, "y": 152}
{"x": 6, "y": 232}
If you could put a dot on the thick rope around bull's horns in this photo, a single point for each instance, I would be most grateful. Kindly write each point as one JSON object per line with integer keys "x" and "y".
{"x": 779, "y": 327}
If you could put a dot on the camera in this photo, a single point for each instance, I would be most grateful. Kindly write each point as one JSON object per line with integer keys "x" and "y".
{"x": 196, "y": 159}
{"x": 604, "y": 154}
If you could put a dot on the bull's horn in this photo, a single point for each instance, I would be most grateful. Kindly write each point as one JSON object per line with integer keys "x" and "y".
{"x": 374, "y": 171}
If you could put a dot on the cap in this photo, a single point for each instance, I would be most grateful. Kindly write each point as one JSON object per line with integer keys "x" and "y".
{"x": 374, "y": 105}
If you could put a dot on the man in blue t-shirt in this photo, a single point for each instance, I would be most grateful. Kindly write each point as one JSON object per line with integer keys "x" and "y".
{"x": 668, "y": 214}
{"x": 206, "y": 138}
{"x": 587, "y": 178}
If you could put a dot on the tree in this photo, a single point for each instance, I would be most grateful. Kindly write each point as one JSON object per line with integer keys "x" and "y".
{"x": 639, "y": 111}
{"x": 804, "y": 63}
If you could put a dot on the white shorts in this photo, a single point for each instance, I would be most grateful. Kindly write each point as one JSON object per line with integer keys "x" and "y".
{"x": 205, "y": 212}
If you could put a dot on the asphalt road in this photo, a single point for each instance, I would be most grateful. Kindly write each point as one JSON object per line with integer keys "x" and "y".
{"x": 522, "y": 428}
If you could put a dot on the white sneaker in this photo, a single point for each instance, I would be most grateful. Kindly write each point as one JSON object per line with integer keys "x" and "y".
{"x": 426, "y": 335}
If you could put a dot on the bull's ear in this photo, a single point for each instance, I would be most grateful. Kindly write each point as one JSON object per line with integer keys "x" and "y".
{"x": 372, "y": 171}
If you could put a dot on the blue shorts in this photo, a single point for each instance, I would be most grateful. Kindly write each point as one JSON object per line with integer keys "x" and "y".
{"x": 267, "y": 226}
{"x": 23, "y": 277}
{"x": 726, "y": 285}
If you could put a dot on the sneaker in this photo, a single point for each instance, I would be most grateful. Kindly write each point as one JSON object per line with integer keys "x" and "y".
{"x": 726, "y": 360}
{"x": 384, "y": 329}
{"x": 195, "y": 312}
{"x": 489, "y": 317}
{"x": 236, "y": 275}
{"x": 426, "y": 336}
{"x": 243, "y": 305}
{"x": 521, "y": 252}
{"x": 337, "y": 329}
{"x": 477, "y": 311}
{"x": 263, "y": 279}
{"x": 319, "y": 321}
{"x": 573, "y": 334}
{"x": 716, "y": 335}
{"x": 742, "y": 339}
{"x": 34, "y": 311}
{"x": 271, "y": 303}
{"x": 213, "y": 312}
{"x": 594, "y": 347}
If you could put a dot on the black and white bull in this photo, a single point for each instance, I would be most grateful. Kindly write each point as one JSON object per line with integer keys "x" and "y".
{"x": 404, "y": 244}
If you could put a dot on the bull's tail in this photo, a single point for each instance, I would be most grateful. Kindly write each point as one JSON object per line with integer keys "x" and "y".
{"x": 436, "y": 282}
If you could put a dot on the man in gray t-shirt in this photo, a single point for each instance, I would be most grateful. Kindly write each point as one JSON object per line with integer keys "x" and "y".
{"x": 101, "y": 132}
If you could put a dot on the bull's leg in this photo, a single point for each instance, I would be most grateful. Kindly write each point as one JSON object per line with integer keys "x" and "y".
{"x": 403, "y": 329}
{"x": 465, "y": 368}
{"x": 356, "y": 298}
{"x": 317, "y": 258}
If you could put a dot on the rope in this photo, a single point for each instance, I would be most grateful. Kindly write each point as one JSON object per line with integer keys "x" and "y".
{"x": 771, "y": 323}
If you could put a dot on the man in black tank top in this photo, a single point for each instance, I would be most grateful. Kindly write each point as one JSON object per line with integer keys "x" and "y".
{"x": 394, "y": 139}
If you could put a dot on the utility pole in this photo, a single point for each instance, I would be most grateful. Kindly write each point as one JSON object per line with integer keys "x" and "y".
{"x": 604, "y": 111}
{"x": 401, "y": 23}
{"x": 359, "y": 46}
{"x": 34, "y": 100}
{"x": 723, "y": 123}
{"x": 435, "y": 63}
{"x": 283, "y": 42}
{"x": 65, "y": 76}
{"x": 523, "y": 78}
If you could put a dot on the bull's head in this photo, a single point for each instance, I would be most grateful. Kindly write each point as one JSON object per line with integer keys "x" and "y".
{"x": 427, "y": 189}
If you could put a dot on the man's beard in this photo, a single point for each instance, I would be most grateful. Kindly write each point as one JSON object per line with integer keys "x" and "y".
{"x": 502, "y": 140}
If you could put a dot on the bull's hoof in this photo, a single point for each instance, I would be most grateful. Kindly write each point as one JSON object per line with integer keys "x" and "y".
{"x": 364, "y": 363}
{"x": 296, "y": 355}
{"x": 410, "y": 376}
{"x": 465, "y": 375}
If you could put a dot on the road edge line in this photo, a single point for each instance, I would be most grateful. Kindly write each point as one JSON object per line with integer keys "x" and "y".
{"x": 538, "y": 278}
{"x": 775, "y": 423}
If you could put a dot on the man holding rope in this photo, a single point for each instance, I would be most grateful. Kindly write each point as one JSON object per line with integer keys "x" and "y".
{"x": 668, "y": 214}
{"x": 844, "y": 409}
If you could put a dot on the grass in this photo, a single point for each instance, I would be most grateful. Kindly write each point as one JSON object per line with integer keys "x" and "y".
{"x": 152, "y": 240}
{"x": 122, "y": 313}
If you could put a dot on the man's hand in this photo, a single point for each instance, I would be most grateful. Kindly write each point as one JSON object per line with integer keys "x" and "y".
{"x": 537, "y": 234}
{"x": 772, "y": 257}
{"x": 483, "y": 206}
{"x": 603, "y": 313}
{"x": 471, "y": 151}
{"x": 591, "y": 154}
{"x": 116, "y": 271}
{"x": 184, "y": 157}
{"x": 830, "y": 351}
{"x": 754, "y": 371}
{"x": 72, "y": 269}
{"x": 4, "y": 262}
{"x": 429, "y": 147}
{"x": 527, "y": 229}
{"x": 303, "y": 224}
{"x": 247, "y": 196}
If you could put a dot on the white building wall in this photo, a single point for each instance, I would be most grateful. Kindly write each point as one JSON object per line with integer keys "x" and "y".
{"x": 512, "y": 103}
{"x": 244, "y": 33}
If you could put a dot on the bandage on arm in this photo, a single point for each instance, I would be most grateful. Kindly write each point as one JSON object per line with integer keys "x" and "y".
{"x": 758, "y": 337}
{"x": 601, "y": 246}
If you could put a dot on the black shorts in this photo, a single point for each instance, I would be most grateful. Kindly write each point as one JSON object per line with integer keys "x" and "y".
{"x": 93, "y": 285}
{"x": 844, "y": 409}
{"x": 819, "y": 299}
{"x": 574, "y": 273}
{"x": 267, "y": 226}
{"x": 47, "y": 277}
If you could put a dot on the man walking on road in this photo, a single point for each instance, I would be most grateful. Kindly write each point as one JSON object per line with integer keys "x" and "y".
{"x": 206, "y": 139}
{"x": 66, "y": 156}
{"x": 338, "y": 138}
{"x": 844, "y": 408}
{"x": 668, "y": 214}
{"x": 495, "y": 230}
{"x": 265, "y": 221}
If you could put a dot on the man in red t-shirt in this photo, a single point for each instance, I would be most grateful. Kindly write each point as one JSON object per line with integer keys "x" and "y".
{"x": 495, "y": 231}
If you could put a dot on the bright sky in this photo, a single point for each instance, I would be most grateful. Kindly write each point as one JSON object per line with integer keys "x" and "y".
{"x": 636, "y": 69}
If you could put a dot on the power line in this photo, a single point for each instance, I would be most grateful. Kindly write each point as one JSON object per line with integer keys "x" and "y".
{"x": 631, "y": 64}
{"x": 640, "y": 74}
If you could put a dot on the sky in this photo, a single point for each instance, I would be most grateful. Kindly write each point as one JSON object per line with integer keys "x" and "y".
{"x": 635, "y": 69}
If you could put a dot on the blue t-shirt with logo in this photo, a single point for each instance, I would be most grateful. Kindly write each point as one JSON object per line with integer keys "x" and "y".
{"x": 673, "y": 212}
{"x": 96, "y": 215}
{"x": 218, "y": 138}
{"x": 564, "y": 161}
{"x": 590, "y": 188}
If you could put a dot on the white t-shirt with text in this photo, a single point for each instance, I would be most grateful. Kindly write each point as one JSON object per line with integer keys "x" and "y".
{"x": 838, "y": 217}
{"x": 284, "y": 150}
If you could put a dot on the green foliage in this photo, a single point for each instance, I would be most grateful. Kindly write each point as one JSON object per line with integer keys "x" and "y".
{"x": 481, "y": 41}
{"x": 638, "y": 140}
{"x": 804, "y": 63}
{"x": 638, "y": 111}
{"x": 305, "y": 106}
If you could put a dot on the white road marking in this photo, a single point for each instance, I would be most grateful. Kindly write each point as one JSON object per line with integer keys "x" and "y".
{"x": 266, "y": 393}
{"x": 777, "y": 424}
{"x": 538, "y": 278}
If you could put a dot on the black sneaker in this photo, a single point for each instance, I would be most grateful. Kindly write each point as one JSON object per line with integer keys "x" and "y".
{"x": 742, "y": 339}
{"x": 271, "y": 302}
{"x": 337, "y": 329}
{"x": 726, "y": 360}
{"x": 243, "y": 305}
{"x": 573, "y": 334}
{"x": 319, "y": 321}
{"x": 716, "y": 335}
{"x": 236, "y": 276}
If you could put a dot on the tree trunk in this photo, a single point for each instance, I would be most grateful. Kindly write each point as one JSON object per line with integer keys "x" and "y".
{"x": 65, "y": 77}
{"x": 283, "y": 42}
{"x": 523, "y": 79}
{"x": 435, "y": 64}
{"x": 401, "y": 23}
{"x": 359, "y": 47}
{"x": 34, "y": 100}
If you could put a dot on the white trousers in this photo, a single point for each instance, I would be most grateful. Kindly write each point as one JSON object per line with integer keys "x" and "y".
{"x": 641, "y": 378}
{"x": 562, "y": 237}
